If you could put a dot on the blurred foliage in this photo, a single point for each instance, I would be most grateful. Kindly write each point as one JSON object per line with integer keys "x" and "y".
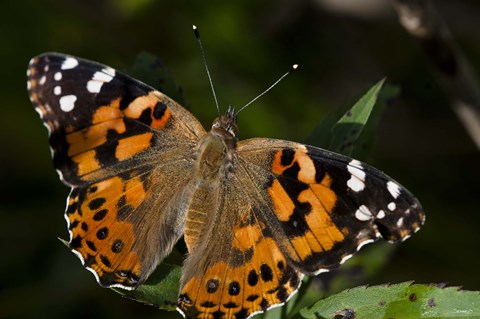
{"x": 248, "y": 45}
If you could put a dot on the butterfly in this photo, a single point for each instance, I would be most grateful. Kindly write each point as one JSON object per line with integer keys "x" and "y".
{"x": 256, "y": 215}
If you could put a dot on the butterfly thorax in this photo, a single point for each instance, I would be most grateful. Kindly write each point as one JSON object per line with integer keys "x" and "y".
{"x": 216, "y": 150}
{"x": 215, "y": 161}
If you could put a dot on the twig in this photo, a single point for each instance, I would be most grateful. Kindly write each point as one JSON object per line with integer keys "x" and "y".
{"x": 453, "y": 70}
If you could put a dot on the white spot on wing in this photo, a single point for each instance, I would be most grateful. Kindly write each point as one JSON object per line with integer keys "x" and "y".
{"x": 357, "y": 179}
{"x": 39, "y": 111}
{"x": 400, "y": 222}
{"x": 363, "y": 213}
{"x": 57, "y": 90}
{"x": 29, "y": 85}
{"x": 42, "y": 81}
{"x": 94, "y": 86}
{"x": 57, "y": 76}
{"x": 67, "y": 102}
{"x": 365, "y": 242}
{"x": 109, "y": 71}
{"x": 392, "y": 206}
{"x": 80, "y": 257}
{"x": 60, "y": 174}
{"x": 69, "y": 63}
{"x": 320, "y": 271}
{"x": 393, "y": 189}
{"x": 380, "y": 214}
{"x": 100, "y": 77}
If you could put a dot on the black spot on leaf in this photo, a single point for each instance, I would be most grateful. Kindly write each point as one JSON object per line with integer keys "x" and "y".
{"x": 412, "y": 297}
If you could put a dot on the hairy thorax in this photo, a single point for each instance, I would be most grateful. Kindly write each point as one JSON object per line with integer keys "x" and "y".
{"x": 215, "y": 154}
{"x": 215, "y": 161}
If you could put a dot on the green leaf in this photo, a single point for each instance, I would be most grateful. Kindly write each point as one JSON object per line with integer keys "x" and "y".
{"x": 403, "y": 300}
{"x": 366, "y": 140}
{"x": 348, "y": 129}
{"x": 160, "y": 290}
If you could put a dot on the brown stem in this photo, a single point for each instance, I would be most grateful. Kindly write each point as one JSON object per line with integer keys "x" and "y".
{"x": 452, "y": 69}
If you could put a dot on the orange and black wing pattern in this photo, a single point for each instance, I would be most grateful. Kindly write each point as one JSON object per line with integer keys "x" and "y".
{"x": 322, "y": 207}
{"x": 115, "y": 141}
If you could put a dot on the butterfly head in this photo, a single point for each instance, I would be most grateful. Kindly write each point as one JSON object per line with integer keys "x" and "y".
{"x": 226, "y": 123}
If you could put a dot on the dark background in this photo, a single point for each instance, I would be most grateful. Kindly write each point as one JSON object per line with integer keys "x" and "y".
{"x": 248, "y": 44}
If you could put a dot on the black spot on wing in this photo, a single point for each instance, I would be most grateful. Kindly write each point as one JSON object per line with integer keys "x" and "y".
{"x": 100, "y": 215}
{"x": 96, "y": 203}
{"x": 212, "y": 285}
{"x": 102, "y": 233}
{"x": 159, "y": 110}
{"x": 252, "y": 278}
{"x": 287, "y": 157}
{"x": 233, "y": 288}
{"x": 266, "y": 273}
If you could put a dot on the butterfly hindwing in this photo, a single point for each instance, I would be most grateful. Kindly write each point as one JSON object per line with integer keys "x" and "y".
{"x": 236, "y": 268}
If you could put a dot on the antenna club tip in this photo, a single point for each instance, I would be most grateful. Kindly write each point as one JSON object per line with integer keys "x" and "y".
{"x": 195, "y": 31}
{"x": 294, "y": 67}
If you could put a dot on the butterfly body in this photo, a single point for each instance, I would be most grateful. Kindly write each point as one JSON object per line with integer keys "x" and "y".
{"x": 256, "y": 215}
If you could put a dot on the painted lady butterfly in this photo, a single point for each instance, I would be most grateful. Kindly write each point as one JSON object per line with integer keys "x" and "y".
{"x": 256, "y": 215}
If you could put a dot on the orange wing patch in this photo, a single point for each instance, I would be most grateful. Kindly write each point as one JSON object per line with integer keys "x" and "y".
{"x": 102, "y": 239}
{"x": 131, "y": 146}
{"x": 93, "y": 136}
{"x": 158, "y": 112}
{"x": 229, "y": 289}
{"x": 318, "y": 233}
{"x": 83, "y": 144}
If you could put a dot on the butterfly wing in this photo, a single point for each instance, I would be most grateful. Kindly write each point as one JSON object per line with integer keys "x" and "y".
{"x": 286, "y": 210}
{"x": 124, "y": 149}
{"x": 236, "y": 268}
{"x": 321, "y": 207}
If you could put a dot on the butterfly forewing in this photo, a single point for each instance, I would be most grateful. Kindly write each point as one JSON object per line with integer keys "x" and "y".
{"x": 322, "y": 207}
{"x": 99, "y": 118}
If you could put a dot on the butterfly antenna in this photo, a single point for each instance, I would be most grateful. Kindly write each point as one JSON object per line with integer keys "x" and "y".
{"x": 197, "y": 36}
{"x": 293, "y": 68}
